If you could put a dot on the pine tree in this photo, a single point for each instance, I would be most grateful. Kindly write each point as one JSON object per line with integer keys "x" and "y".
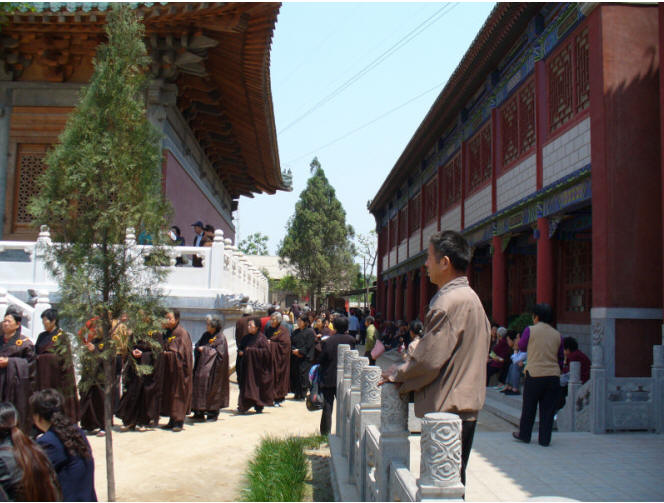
{"x": 318, "y": 242}
{"x": 103, "y": 177}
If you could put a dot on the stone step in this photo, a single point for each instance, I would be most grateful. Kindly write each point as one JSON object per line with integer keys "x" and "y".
{"x": 506, "y": 407}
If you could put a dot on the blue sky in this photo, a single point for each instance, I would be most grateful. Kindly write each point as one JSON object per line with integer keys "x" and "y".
{"x": 351, "y": 83}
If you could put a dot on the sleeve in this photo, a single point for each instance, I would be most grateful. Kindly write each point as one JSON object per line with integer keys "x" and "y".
{"x": 523, "y": 340}
{"x": 431, "y": 354}
{"x": 56, "y": 456}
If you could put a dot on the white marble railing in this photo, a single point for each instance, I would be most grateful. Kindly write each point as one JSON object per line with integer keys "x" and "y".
{"x": 371, "y": 440}
{"x": 31, "y": 323}
{"x": 225, "y": 270}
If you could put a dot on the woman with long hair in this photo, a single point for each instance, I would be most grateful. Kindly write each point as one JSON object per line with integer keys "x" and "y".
{"x": 55, "y": 363}
{"x": 65, "y": 445}
{"x": 25, "y": 471}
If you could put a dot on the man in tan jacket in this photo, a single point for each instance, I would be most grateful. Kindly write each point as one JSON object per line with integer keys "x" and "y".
{"x": 447, "y": 369}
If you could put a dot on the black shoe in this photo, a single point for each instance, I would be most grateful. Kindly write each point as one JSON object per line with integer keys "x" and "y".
{"x": 511, "y": 393}
{"x": 212, "y": 417}
{"x": 168, "y": 426}
{"x": 198, "y": 416}
{"x": 515, "y": 435}
{"x": 259, "y": 410}
{"x": 178, "y": 426}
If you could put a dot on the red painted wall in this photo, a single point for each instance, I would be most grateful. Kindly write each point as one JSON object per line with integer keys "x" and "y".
{"x": 189, "y": 203}
{"x": 625, "y": 149}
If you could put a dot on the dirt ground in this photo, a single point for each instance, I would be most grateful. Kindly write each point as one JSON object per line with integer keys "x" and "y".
{"x": 206, "y": 461}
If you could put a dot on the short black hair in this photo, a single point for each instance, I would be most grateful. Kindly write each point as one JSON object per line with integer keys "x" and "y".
{"x": 454, "y": 246}
{"x": 51, "y": 315}
{"x": 340, "y": 324}
{"x": 543, "y": 312}
{"x": 494, "y": 324}
{"x": 511, "y": 334}
{"x": 369, "y": 320}
{"x": 570, "y": 344}
{"x": 416, "y": 327}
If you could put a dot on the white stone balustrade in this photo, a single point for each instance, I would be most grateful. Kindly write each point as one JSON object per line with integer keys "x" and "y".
{"x": 371, "y": 449}
{"x": 31, "y": 325}
{"x": 225, "y": 272}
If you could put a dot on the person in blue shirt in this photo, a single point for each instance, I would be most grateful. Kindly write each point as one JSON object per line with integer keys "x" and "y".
{"x": 353, "y": 324}
{"x": 65, "y": 446}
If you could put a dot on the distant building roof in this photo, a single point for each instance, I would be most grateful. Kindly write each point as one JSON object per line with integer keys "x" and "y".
{"x": 270, "y": 264}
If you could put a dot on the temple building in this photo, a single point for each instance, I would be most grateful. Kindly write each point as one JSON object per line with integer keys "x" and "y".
{"x": 209, "y": 95}
{"x": 544, "y": 150}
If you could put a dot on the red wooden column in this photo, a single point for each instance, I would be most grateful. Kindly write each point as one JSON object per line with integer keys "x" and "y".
{"x": 545, "y": 272}
{"x": 389, "y": 312}
{"x": 424, "y": 293}
{"x": 661, "y": 119}
{"x": 498, "y": 283}
{"x": 410, "y": 296}
{"x": 398, "y": 299}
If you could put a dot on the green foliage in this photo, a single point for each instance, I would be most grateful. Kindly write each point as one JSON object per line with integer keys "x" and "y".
{"x": 291, "y": 284}
{"x": 255, "y": 244}
{"x": 279, "y": 468}
{"x": 520, "y": 323}
{"x": 103, "y": 177}
{"x": 318, "y": 242}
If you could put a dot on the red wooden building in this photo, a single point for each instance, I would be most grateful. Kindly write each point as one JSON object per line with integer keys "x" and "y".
{"x": 544, "y": 150}
{"x": 209, "y": 95}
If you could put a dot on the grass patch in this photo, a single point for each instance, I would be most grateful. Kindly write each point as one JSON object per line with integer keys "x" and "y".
{"x": 279, "y": 468}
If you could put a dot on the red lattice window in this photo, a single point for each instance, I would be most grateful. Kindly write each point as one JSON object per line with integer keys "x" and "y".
{"x": 430, "y": 200}
{"x": 30, "y": 165}
{"x": 451, "y": 183}
{"x": 582, "y": 70}
{"x": 479, "y": 158}
{"x": 393, "y": 232}
{"x": 510, "y": 132}
{"x": 569, "y": 80}
{"x": 403, "y": 222}
{"x": 414, "y": 214}
{"x": 577, "y": 276}
{"x": 521, "y": 283}
{"x": 527, "y": 129}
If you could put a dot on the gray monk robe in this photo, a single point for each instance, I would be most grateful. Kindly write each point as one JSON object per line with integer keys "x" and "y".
{"x": 211, "y": 389}
{"x": 17, "y": 377}
{"x": 178, "y": 371}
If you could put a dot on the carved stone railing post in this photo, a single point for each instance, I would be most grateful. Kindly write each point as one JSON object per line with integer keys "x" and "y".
{"x": 4, "y": 302}
{"x": 598, "y": 376}
{"x": 369, "y": 415}
{"x": 354, "y": 410}
{"x": 573, "y": 387}
{"x": 342, "y": 349}
{"x": 440, "y": 462}
{"x": 394, "y": 445}
{"x": 345, "y": 418}
{"x": 657, "y": 374}
{"x": 41, "y": 273}
{"x": 217, "y": 260}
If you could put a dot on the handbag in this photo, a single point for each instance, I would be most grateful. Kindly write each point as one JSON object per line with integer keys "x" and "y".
{"x": 314, "y": 400}
{"x": 378, "y": 349}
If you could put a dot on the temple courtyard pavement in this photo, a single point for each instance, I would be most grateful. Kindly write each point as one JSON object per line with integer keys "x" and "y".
{"x": 207, "y": 461}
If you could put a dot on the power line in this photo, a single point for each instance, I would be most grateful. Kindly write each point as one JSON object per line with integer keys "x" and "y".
{"x": 398, "y": 45}
{"x": 376, "y": 119}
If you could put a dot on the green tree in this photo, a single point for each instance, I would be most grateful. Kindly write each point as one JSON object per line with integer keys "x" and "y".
{"x": 254, "y": 244}
{"x": 367, "y": 246}
{"x": 104, "y": 177}
{"x": 318, "y": 242}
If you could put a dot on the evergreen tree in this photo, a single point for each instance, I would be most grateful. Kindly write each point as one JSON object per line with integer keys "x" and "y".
{"x": 254, "y": 244}
{"x": 103, "y": 177}
{"x": 318, "y": 242}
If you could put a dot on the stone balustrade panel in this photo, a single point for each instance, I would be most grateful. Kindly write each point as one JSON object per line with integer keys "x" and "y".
{"x": 403, "y": 486}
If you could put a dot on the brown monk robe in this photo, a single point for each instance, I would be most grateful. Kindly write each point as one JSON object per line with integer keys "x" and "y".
{"x": 55, "y": 364}
{"x": 254, "y": 370}
{"x": 17, "y": 367}
{"x": 280, "y": 347}
{"x": 211, "y": 389}
{"x": 241, "y": 327}
{"x": 178, "y": 372}
{"x": 139, "y": 405}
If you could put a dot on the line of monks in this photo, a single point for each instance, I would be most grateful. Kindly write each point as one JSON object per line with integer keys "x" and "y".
{"x": 161, "y": 374}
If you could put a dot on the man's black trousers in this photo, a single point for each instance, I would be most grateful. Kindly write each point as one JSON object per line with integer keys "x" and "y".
{"x": 545, "y": 392}
{"x": 326, "y": 419}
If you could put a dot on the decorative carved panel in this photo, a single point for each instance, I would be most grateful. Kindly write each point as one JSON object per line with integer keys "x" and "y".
{"x": 430, "y": 200}
{"x": 29, "y": 165}
{"x": 527, "y": 134}
{"x": 403, "y": 222}
{"x": 451, "y": 183}
{"x": 560, "y": 88}
{"x": 414, "y": 214}
{"x": 479, "y": 158}
{"x": 393, "y": 232}
{"x": 582, "y": 70}
{"x": 577, "y": 275}
{"x": 510, "y": 132}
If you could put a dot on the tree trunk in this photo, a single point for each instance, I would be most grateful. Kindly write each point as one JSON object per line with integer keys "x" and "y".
{"x": 109, "y": 378}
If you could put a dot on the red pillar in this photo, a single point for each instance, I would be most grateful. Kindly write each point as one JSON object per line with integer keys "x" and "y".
{"x": 389, "y": 312}
{"x": 661, "y": 115}
{"x": 424, "y": 292}
{"x": 498, "y": 283}
{"x": 410, "y": 296}
{"x": 545, "y": 286}
{"x": 398, "y": 299}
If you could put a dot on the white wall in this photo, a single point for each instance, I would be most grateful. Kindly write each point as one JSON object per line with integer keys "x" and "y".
{"x": 517, "y": 183}
{"x": 451, "y": 221}
{"x": 567, "y": 153}
{"x": 478, "y": 206}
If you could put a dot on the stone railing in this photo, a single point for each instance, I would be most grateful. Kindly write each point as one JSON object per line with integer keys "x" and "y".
{"x": 575, "y": 415}
{"x": 371, "y": 449}
{"x": 31, "y": 325}
{"x": 225, "y": 271}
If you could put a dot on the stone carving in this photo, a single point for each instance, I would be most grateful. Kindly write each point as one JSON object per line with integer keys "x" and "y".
{"x": 357, "y": 365}
{"x": 394, "y": 410}
{"x": 440, "y": 464}
{"x": 631, "y": 417}
{"x": 340, "y": 354}
{"x": 348, "y": 367}
{"x": 597, "y": 357}
{"x": 598, "y": 333}
{"x": 370, "y": 390}
{"x": 658, "y": 356}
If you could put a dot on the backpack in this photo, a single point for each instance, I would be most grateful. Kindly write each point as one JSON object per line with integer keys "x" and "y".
{"x": 314, "y": 400}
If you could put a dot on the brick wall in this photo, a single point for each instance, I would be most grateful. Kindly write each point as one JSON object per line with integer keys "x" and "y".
{"x": 478, "y": 206}
{"x": 567, "y": 153}
{"x": 451, "y": 220}
{"x": 429, "y": 230}
{"x": 414, "y": 244}
{"x": 517, "y": 183}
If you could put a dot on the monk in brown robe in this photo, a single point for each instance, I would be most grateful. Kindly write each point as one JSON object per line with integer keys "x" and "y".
{"x": 55, "y": 363}
{"x": 254, "y": 370}
{"x": 211, "y": 387}
{"x": 140, "y": 403}
{"x": 280, "y": 347}
{"x": 91, "y": 405}
{"x": 178, "y": 372}
{"x": 17, "y": 367}
{"x": 241, "y": 327}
